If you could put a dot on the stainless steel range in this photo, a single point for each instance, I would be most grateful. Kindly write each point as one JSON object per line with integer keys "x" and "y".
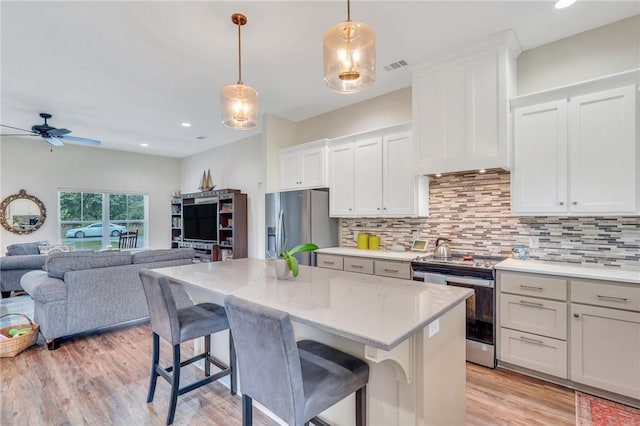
{"x": 477, "y": 273}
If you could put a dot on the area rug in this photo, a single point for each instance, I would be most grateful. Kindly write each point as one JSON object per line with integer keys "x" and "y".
{"x": 12, "y": 305}
{"x": 594, "y": 411}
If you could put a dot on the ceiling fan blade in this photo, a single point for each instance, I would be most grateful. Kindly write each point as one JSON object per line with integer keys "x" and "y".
{"x": 54, "y": 141}
{"x": 81, "y": 140}
{"x": 58, "y": 132}
{"x": 18, "y": 128}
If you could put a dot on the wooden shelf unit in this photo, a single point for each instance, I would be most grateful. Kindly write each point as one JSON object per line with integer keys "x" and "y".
{"x": 176, "y": 221}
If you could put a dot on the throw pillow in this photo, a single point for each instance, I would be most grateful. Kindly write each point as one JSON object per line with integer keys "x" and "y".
{"x": 56, "y": 248}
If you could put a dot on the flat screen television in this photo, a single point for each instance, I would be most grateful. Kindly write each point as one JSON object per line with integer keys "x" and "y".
{"x": 200, "y": 222}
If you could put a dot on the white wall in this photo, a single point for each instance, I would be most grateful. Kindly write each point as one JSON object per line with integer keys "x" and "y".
{"x": 602, "y": 51}
{"x": 382, "y": 111}
{"x": 28, "y": 163}
{"x": 238, "y": 165}
{"x": 277, "y": 133}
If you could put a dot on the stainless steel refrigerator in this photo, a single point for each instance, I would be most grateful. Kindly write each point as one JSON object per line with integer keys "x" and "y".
{"x": 297, "y": 217}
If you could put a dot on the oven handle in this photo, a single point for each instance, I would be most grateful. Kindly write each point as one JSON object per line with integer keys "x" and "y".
{"x": 477, "y": 282}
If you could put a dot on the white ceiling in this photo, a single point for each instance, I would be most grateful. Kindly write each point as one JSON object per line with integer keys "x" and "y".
{"x": 129, "y": 72}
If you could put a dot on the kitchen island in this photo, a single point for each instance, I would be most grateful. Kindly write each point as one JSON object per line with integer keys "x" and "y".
{"x": 412, "y": 335}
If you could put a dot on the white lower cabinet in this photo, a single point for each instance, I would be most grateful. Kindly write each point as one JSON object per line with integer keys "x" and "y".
{"x": 583, "y": 330}
{"x": 534, "y": 352}
{"x": 533, "y": 322}
{"x": 605, "y": 342}
{"x": 365, "y": 265}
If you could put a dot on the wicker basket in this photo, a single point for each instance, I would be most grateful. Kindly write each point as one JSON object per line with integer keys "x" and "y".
{"x": 13, "y": 346}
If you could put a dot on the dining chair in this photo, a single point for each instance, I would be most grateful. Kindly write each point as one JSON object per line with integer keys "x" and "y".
{"x": 178, "y": 325}
{"x": 128, "y": 240}
{"x": 295, "y": 380}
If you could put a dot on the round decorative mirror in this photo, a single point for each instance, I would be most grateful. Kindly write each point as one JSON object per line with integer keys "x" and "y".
{"x": 22, "y": 213}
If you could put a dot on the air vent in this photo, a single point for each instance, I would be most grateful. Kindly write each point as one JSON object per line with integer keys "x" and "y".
{"x": 396, "y": 65}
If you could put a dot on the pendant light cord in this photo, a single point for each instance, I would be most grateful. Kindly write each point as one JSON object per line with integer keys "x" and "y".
{"x": 239, "y": 55}
{"x": 348, "y": 10}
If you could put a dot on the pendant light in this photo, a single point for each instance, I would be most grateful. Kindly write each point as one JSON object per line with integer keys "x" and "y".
{"x": 240, "y": 109}
{"x": 349, "y": 56}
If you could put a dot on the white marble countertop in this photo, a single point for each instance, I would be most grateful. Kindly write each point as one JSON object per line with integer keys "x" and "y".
{"x": 626, "y": 275}
{"x": 403, "y": 256}
{"x": 377, "y": 311}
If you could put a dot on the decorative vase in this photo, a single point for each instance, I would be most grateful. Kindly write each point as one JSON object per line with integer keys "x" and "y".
{"x": 282, "y": 270}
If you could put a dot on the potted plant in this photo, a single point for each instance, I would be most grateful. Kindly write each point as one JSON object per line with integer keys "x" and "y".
{"x": 287, "y": 264}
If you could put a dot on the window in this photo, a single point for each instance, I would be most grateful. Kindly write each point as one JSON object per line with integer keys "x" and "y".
{"x": 84, "y": 216}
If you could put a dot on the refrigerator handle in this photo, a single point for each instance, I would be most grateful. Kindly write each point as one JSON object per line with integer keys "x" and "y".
{"x": 280, "y": 233}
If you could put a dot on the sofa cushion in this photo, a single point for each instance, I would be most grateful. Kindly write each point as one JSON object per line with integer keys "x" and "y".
{"x": 151, "y": 256}
{"x": 25, "y": 248}
{"x": 59, "y": 263}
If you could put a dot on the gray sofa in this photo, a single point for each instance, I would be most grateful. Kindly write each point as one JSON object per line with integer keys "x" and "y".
{"x": 82, "y": 291}
{"x": 20, "y": 259}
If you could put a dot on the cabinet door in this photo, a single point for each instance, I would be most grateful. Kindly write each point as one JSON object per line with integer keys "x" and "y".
{"x": 605, "y": 349}
{"x": 398, "y": 181}
{"x": 341, "y": 176}
{"x": 540, "y": 159}
{"x": 312, "y": 169}
{"x": 288, "y": 170}
{"x": 603, "y": 152}
{"x": 368, "y": 177}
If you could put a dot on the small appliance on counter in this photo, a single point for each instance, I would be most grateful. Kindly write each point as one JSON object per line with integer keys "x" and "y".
{"x": 443, "y": 249}
{"x": 363, "y": 240}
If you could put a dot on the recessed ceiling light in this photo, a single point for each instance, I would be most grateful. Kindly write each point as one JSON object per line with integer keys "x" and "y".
{"x": 561, "y": 4}
{"x": 186, "y": 124}
{"x": 144, "y": 144}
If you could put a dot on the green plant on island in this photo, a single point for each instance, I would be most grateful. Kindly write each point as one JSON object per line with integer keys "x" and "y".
{"x": 292, "y": 262}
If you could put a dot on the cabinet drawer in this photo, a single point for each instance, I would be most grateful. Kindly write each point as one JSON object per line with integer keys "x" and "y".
{"x": 607, "y": 294}
{"x": 538, "y": 316}
{"x": 358, "y": 264}
{"x": 533, "y": 285}
{"x": 329, "y": 261}
{"x": 393, "y": 269}
{"x": 542, "y": 354}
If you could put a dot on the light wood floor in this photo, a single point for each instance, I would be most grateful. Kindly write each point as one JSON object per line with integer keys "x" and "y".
{"x": 103, "y": 380}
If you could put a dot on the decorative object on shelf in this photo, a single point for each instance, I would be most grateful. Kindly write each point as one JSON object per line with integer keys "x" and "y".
{"x": 206, "y": 183}
{"x": 239, "y": 103}
{"x": 22, "y": 213}
{"x": 349, "y": 56}
{"x": 287, "y": 264}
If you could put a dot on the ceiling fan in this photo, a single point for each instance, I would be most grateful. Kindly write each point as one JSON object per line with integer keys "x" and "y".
{"x": 50, "y": 134}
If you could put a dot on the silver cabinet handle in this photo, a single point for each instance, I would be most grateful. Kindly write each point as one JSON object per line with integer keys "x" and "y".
{"x": 575, "y": 203}
{"x": 537, "y": 305}
{"x": 619, "y": 299}
{"x": 326, "y": 262}
{"x": 356, "y": 266}
{"x": 349, "y": 208}
{"x": 527, "y": 339}
{"x": 576, "y": 315}
{"x": 390, "y": 270}
{"x": 530, "y": 287}
{"x": 561, "y": 203}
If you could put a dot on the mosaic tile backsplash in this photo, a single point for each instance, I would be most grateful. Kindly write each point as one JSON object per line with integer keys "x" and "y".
{"x": 474, "y": 211}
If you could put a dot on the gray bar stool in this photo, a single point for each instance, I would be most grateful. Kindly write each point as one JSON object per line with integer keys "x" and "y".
{"x": 296, "y": 381}
{"x": 180, "y": 325}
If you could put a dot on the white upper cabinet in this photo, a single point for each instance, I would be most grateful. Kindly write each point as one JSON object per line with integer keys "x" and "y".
{"x": 341, "y": 179}
{"x": 460, "y": 107}
{"x": 577, "y": 155}
{"x": 370, "y": 176}
{"x": 603, "y": 152}
{"x": 540, "y": 157}
{"x": 303, "y": 166}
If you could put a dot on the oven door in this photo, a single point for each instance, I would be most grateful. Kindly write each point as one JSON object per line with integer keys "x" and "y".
{"x": 480, "y": 308}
